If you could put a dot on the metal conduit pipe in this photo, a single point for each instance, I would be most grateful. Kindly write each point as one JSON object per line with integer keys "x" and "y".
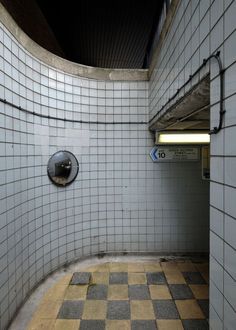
{"x": 216, "y": 129}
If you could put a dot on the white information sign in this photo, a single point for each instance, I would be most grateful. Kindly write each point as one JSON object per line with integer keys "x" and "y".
{"x": 174, "y": 154}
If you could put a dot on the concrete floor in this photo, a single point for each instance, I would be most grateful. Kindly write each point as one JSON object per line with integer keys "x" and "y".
{"x": 127, "y": 292}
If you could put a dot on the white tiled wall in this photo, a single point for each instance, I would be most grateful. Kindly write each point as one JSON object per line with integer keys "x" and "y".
{"x": 120, "y": 201}
{"x": 199, "y": 29}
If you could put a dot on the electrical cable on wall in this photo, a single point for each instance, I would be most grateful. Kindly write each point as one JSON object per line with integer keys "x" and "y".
{"x": 73, "y": 120}
{"x": 215, "y": 130}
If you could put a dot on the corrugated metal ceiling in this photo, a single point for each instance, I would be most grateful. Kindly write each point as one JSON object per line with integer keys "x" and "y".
{"x": 111, "y": 34}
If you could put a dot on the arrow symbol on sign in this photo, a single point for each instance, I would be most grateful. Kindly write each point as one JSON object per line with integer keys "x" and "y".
{"x": 153, "y": 154}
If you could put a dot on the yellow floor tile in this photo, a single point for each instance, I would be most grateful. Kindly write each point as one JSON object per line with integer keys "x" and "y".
{"x": 186, "y": 266}
{"x": 89, "y": 269}
{"x": 152, "y": 267}
{"x": 200, "y": 291}
{"x": 76, "y": 292}
{"x": 169, "y": 325}
{"x": 174, "y": 277}
{"x": 169, "y": 265}
{"x": 67, "y": 325}
{"x": 118, "y": 292}
{"x": 159, "y": 292}
{"x": 136, "y": 268}
{"x": 137, "y": 278}
{"x": 40, "y": 324}
{"x": 118, "y": 267}
{"x": 94, "y": 310}
{"x": 142, "y": 310}
{"x": 118, "y": 325}
{"x": 48, "y": 309}
{"x": 65, "y": 280}
{"x": 100, "y": 278}
{"x": 189, "y": 309}
{"x": 103, "y": 268}
{"x": 57, "y": 292}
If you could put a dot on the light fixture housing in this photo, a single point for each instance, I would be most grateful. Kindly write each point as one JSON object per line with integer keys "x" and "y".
{"x": 182, "y": 138}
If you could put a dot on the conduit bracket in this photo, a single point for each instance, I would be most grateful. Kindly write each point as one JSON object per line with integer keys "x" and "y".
{"x": 216, "y": 129}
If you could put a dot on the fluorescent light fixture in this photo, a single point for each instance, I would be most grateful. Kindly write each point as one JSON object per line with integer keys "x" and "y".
{"x": 182, "y": 138}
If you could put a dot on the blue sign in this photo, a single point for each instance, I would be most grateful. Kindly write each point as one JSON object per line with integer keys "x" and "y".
{"x": 154, "y": 154}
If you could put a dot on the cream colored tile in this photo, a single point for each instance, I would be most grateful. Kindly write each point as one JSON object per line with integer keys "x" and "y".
{"x": 65, "y": 280}
{"x": 159, "y": 292}
{"x": 142, "y": 310}
{"x": 102, "y": 268}
{"x": 186, "y": 266}
{"x": 67, "y": 325}
{"x": 76, "y": 292}
{"x": 169, "y": 325}
{"x": 100, "y": 278}
{"x": 57, "y": 292}
{"x": 118, "y": 267}
{"x": 118, "y": 292}
{"x": 48, "y": 309}
{"x": 118, "y": 325}
{"x": 174, "y": 276}
{"x": 152, "y": 267}
{"x": 189, "y": 309}
{"x": 137, "y": 278}
{"x": 41, "y": 324}
{"x": 94, "y": 310}
{"x": 169, "y": 265}
{"x": 136, "y": 268}
{"x": 200, "y": 291}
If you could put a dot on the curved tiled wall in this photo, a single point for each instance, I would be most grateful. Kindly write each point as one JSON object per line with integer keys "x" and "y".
{"x": 120, "y": 200}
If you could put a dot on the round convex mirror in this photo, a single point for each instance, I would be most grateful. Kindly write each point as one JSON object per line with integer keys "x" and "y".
{"x": 63, "y": 168}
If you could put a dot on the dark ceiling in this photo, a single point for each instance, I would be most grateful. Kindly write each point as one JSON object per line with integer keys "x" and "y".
{"x": 111, "y": 34}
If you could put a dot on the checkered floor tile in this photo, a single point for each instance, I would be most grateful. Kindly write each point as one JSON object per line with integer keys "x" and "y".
{"x": 167, "y": 295}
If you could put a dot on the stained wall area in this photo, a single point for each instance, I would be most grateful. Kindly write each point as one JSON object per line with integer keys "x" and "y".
{"x": 200, "y": 29}
{"x": 120, "y": 201}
